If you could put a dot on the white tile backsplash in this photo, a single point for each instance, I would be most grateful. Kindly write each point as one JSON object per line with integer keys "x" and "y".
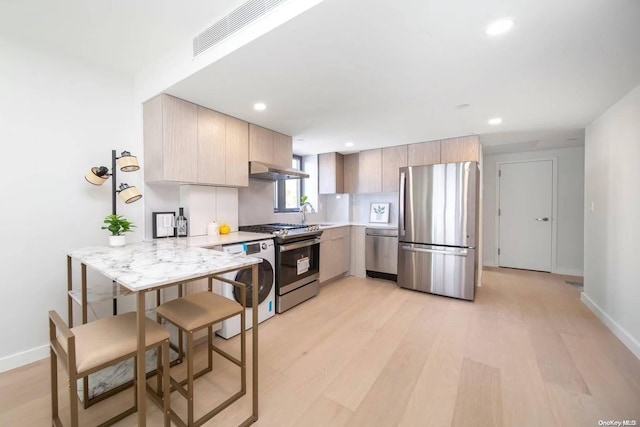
{"x": 203, "y": 204}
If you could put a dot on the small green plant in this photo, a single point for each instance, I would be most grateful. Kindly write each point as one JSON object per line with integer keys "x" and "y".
{"x": 117, "y": 225}
{"x": 303, "y": 200}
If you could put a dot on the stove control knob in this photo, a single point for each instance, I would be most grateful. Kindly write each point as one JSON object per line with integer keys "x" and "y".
{"x": 263, "y": 246}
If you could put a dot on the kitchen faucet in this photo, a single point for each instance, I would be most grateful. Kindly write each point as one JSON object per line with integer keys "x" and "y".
{"x": 303, "y": 210}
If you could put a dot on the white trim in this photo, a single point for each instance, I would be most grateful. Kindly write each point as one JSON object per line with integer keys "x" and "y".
{"x": 624, "y": 336}
{"x": 569, "y": 272}
{"x": 24, "y": 358}
{"x": 554, "y": 207}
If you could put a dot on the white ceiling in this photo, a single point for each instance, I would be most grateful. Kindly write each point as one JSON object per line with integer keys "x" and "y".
{"x": 123, "y": 35}
{"x": 378, "y": 73}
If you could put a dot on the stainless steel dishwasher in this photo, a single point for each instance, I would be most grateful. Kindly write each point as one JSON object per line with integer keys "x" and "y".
{"x": 381, "y": 253}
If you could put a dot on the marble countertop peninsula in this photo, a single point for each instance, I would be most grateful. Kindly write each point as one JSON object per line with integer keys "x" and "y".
{"x": 145, "y": 265}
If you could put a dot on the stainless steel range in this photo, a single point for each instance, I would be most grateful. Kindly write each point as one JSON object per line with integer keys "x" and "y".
{"x": 297, "y": 261}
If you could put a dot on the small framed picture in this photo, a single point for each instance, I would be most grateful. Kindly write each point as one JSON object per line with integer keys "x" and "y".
{"x": 379, "y": 212}
{"x": 163, "y": 224}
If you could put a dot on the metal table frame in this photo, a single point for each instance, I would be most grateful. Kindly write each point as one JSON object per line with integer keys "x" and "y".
{"x": 140, "y": 311}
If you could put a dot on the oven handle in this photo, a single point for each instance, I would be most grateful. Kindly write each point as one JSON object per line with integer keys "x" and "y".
{"x": 298, "y": 245}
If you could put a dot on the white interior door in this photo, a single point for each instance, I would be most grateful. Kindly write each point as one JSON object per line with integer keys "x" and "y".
{"x": 525, "y": 215}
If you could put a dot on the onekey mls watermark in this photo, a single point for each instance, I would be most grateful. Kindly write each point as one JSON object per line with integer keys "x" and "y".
{"x": 617, "y": 423}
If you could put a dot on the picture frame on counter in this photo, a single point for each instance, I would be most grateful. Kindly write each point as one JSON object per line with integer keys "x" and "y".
{"x": 163, "y": 224}
{"x": 379, "y": 212}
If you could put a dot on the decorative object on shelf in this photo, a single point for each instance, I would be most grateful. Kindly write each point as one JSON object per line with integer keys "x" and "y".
{"x": 117, "y": 225}
{"x": 163, "y": 224}
{"x": 181, "y": 224}
{"x": 379, "y": 212}
{"x": 129, "y": 194}
{"x": 225, "y": 229}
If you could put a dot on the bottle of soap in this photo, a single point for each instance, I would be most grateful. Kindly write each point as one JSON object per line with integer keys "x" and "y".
{"x": 212, "y": 228}
{"x": 181, "y": 224}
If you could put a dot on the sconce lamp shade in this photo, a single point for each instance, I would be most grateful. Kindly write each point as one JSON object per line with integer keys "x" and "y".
{"x": 127, "y": 162}
{"x": 97, "y": 175}
{"x": 129, "y": 194}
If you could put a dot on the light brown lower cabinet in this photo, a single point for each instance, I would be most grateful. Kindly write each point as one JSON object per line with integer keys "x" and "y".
{"x": 335, "y": 245}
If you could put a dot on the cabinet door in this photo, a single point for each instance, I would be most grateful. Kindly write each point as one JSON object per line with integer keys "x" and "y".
{"x": 211, "y": 147}
{"x": 424, "y": 153}
{"x": 326, "y": 256}
{"x": 463, "y": 149}
{"x": 330, "y": 173}
{"x": 261, "y": 144}
{"x": 282, "y": 150}
{"x": 237, "y": 152}
{"x": 393, "y": 158}
{"x": 342, "y": 249}
{"x": 153, "y": 146}
{"x": 351, "y": 173}
{"x": 180, "y": 140}
{"x": 370, "y": 171}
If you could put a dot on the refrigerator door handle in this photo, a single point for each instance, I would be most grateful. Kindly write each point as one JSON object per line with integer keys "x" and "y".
{"x": 462, "y": 253}
{"x": 401, "y": 216}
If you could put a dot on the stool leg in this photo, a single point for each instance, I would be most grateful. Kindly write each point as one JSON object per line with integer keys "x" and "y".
{"x": 243, "y": 350}
{"x": 73, "y": 399}
{"x": 210, "y": 347}
{"x": 190, "y": 377}
{"x": 135, "y": 381}
{"x": 166, "y": 393}
{"x": 54, "y": 385}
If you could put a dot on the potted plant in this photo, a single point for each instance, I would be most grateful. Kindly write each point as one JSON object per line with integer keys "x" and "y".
{"x": 117, "y": 225}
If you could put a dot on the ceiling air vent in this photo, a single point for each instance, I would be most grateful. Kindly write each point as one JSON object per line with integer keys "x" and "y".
{"x": 233, "y": 22}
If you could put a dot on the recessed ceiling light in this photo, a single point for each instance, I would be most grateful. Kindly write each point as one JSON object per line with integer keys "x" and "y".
{"x": 260, "y": 106}
{"x": 462, "y": 106}
{"x": 348, "y": 144}
{"x": 495, "y": 121}
{"x": 500, "y": 26}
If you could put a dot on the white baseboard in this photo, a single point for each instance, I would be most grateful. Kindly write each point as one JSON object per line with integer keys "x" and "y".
{"x": 24, "y": 358}
{"x": 568, "y": 272}
{"x": 624, "y": 336}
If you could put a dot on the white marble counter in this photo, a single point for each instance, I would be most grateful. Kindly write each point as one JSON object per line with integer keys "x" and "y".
{"x": 223, "y": 239}
{"x": 140, "y": 266}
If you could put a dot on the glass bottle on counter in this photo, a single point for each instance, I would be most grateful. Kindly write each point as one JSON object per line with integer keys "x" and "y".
{"x": 181, "y": 224}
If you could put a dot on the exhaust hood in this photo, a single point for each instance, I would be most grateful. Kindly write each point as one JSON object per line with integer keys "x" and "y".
{"x": 269, "y": 172}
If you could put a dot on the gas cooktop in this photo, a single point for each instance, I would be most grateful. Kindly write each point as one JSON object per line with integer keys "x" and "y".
{"x": 285, "y": 232}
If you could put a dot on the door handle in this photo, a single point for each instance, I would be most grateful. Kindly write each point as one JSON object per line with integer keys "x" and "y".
{"x": 435, "y": 251}
{"x": 542, "y": 219}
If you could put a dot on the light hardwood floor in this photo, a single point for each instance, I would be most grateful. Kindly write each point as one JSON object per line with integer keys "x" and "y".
{"x": 527, "y": 352}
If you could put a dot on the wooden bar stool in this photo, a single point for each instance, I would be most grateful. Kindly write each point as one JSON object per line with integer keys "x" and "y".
{"x": 93, "y": 346}
{"x": 191, "y": 314}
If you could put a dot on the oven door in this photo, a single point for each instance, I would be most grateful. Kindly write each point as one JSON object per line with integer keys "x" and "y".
{"x": 298, "y": 264}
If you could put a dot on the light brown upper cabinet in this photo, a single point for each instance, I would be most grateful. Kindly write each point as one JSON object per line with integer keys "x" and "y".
{"x": 237, "y": 152}
{"x": 330, "y": 173}
{"x": 462, "y": 149}
{"x": 393, "y": 158}
{"x": 270, "y": 147}
{"x": 211, "y": 146}
{"x": 351, "y": 173}
{"x": 170, "y": 140}
{"x": 424, "y": 153}
{"x": 187, "y": 143}
{"x": 282, "y": 150}
{"x": 370, "y": 171}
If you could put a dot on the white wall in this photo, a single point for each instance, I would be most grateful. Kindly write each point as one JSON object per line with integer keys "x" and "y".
{"x": 58, "y": 118}
{"x": 569, "y": 244}
{"x": 612, "y": 227}
{"x": 361, "y": 207}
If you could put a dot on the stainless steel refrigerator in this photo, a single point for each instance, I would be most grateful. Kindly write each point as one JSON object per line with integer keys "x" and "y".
{"x": 437, "y": 226}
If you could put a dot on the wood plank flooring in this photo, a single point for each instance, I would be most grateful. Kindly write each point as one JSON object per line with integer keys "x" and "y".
{"x": 527, "y": 352}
